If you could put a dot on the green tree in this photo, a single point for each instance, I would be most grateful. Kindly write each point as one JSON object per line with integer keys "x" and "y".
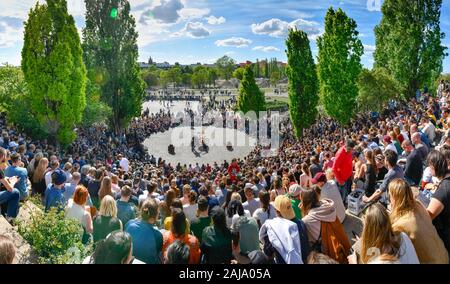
{"x": 339, "y": 65}
{"x": 408, "y": 42}
{"x": 14, "y": 101}
{"x": 53, "y": 67}
{"x": 266, "y": 69}
{"x": 212, "y": 76}
{"x": 110, "y": 44}
{"x": 164, "y": 78}
{"x": 225, "y": 65}
{"x": 175, "y": 76}
{"x": 200, "y": 76}
{"x": 258, "y": 69}
{"x": 275, "y": 77}
{"x": 239, "y": 73}
{"x": 150, "y": 77}
{"x": 186, "y": 79}
{"x": 250, "y": 98}
{"x": 303, "y": 83}
{"x": 96, "y": 111}
{"x": 376, "y": 88}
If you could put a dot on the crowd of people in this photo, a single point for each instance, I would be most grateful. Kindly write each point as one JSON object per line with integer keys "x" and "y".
{"x": 284, "y": 209}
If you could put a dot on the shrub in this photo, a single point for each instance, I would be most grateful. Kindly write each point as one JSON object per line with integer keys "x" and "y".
{"x": 54, "y": 238}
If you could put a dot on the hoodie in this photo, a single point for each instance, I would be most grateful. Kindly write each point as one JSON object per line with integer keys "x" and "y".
{"x": 326, "y": 212}
{"x": 284, "y": 237}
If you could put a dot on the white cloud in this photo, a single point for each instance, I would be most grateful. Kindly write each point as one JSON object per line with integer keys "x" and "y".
{"x": 238, "y": 42}
{"x": 266, "y": 48}
{"x": 369, "y": 48}
{"x": 278, "y": 28}
{"x": 193, "y": 13}
{"x": 229, "y": 53}
{"x": 374, "y": 5}
{"x": 194, "y": 30}
{"x": 166, "y": 12}
{"x": 212, "y": 20}
{"x": 272, "y": 27}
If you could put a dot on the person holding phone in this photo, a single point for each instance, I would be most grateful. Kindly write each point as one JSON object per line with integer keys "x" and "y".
{"x": 8, "y": 194}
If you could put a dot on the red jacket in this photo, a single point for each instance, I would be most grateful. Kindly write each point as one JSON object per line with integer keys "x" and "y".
{"x": 343, "y": 165}
{"x": 233, "y": 170}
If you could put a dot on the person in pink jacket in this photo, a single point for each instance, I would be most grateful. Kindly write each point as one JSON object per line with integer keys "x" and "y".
{"x": 343, "y": 167}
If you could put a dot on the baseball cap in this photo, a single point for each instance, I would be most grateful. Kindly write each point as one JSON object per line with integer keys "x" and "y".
{"x": 59, "y": 177}
{"x": 387, "y": 139}
{"x": 283, "y": 204}
{"x": 319, "y": 177}
{"x": 294, "y": 190}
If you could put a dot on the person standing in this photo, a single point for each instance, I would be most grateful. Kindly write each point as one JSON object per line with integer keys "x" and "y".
{"x": 343, "y": 168}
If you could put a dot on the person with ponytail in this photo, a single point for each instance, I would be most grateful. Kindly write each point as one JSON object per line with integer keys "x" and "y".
{"x": 178, "y": 233}
{"x": 216, "y": 240}
{"x": 266, "y": 211}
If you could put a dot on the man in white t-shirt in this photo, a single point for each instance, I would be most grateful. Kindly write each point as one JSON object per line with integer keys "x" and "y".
{"x": 124, "y": 163}
{"x": 388, "y": 145}
{"x": 252, "y": 203}
{"x": 54, "y": 164}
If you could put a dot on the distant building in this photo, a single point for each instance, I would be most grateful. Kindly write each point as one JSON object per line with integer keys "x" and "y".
{"x": 144, "y": 65}
{"x": 164, "y": 65}
{"x": 243, "y": 65}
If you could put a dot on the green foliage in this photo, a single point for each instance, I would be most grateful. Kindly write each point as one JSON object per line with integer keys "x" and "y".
{"x": 54, "y": 238}
{"x": 408, "y": 42}
{"x": 376, "y": 88}
{"x": 251, "y": 98}
{"x": 277, "y": 106}
{"x": 213, "y": 75}
{"x": 239, "y": 73}
{"x": 339, "y": 65}
{"x": 110, "y": 44}
{"x": 200, "y": 76}
{"x": 226, "y": 65}
{"x": 14, "y": 102}
{"x": 150, "y": 77}
{"x": 275, "y": 77}
{"x": 303, "y": 82}
{"x": 53, "y": 67}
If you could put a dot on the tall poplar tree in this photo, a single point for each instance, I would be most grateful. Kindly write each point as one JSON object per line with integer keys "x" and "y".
{"x": 52, "y": 63}
{"x": 408, "y": 42}
{"x": 303, "y": 83}
{"x": 339, "y": 65}
{"x": 111, "y": 50}
{"x": 250, "y": 98}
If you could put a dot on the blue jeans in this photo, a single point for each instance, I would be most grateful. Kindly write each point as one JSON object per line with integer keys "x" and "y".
{"x": 12, "y": 201}
{"x": 344, "y": 190}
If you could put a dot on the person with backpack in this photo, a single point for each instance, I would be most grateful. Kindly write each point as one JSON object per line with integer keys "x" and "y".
{"x": 280, "y": 236}
{"x": 326, "y": 234}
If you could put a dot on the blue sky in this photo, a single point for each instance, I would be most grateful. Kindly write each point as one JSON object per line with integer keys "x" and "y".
{"x": 191, "y": 31}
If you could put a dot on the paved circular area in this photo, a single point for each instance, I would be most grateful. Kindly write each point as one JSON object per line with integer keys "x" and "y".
{"x": 216, "y": 138}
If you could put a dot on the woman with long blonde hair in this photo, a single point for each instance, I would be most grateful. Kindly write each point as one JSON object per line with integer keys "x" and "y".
{"x": 106, "y": 221}
{"x": 38, "y": 184}
{"x": 105, "y": 188}
{"x": 410, "y": 216}
{"x": 378, "y": 238}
